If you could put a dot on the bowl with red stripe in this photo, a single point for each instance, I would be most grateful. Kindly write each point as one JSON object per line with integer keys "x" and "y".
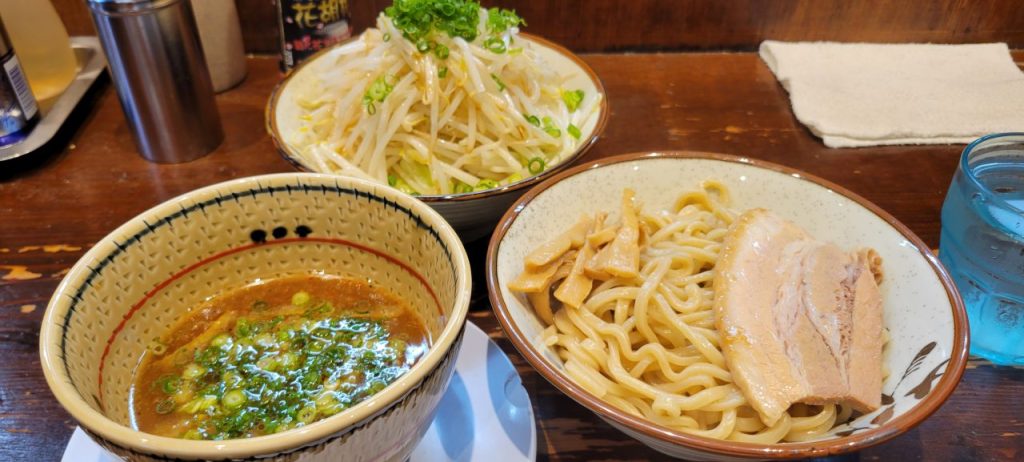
{"x": 148, "y": 273}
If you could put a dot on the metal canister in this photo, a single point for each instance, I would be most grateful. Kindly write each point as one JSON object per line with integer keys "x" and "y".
{"x": 157, "y": 65}
{"x": 18, "y": 108}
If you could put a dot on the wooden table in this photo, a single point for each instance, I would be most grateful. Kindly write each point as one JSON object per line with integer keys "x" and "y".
{"x": 55, "y": 205}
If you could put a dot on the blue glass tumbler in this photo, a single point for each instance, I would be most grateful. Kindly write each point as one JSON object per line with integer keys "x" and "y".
{"x": 982, "y": 244}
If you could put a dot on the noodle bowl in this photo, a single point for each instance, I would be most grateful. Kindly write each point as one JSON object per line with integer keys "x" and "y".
{"x": 927, "y": 311}
{"x": 648, "y": 344}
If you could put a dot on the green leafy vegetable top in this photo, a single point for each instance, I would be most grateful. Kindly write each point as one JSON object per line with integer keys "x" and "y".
{"x": 420, "y": 19}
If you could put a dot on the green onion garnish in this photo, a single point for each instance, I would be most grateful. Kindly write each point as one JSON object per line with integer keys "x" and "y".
{"x": 462, "y": 188}
{"x": 379, "y": 89}
{"x": 501, "y": 20}
{"x": 441, "y": 73}
{"x": 168, "y": 383}
{"x": 536, "y": 165}
{"x": 234, "y": 399}
{"x": 497, "y": 80}
{"x": 193, "y": 371}
{"x": 572, "y": 99}
{"x": 242, "y": 328}
{"x": 484, "y": 185}
{"x": 165, "y": 406}
{"x": 549, "y": 127}
{"x": 157, "y": 347}
{"x": 300, "y": 298}
{"x": 307, "y": 414}
{"x": 418, "y": 19}
{"x": 495, "y": 45}
{"x": 574, "y": 131}
{"x": 441, "y": 51}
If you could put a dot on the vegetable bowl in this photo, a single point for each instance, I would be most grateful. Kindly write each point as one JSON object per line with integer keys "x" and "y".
{"x": 464, "y": 112}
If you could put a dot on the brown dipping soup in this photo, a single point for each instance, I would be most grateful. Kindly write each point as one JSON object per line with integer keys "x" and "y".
{"x": 274, "y": 355}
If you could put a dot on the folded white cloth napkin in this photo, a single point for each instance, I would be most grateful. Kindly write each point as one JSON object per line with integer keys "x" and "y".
{"x": 859, "y": 94}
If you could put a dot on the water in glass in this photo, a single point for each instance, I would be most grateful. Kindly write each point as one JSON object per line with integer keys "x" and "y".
{"x": 982, "y": 244}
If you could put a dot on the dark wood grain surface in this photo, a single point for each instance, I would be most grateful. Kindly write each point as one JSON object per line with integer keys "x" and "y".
{"x": 56, "y": 204}
{"x": 617, "y": 25}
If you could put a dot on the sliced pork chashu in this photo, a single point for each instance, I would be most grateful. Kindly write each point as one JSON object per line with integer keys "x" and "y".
{"x": 800, "y": 319}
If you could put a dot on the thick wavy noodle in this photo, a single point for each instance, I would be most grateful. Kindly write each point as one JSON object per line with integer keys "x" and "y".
{"x": 648, "y": 345}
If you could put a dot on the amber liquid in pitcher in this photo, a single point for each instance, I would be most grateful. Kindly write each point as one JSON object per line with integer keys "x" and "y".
{"x": 42, "y": 44}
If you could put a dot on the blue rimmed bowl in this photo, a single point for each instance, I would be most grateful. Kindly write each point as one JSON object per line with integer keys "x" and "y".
{"x": 152, "y": 270}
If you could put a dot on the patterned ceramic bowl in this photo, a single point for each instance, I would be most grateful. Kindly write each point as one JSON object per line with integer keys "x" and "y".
{"x": 923, "y": 312}
{"x": 146, "y": 274}
{"x": 473, "y": 214}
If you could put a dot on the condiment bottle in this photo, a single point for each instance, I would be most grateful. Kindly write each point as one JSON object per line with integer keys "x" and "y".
{"x": 43, "y": 45}
{"x": 308, "y": 26}
{"x": 18, "y": 109}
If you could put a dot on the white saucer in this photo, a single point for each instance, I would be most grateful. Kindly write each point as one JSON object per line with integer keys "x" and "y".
{"x": 484, "y": 416}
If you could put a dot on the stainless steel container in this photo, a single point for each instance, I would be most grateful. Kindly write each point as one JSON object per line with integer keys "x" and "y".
{"x": 161, "y": 77}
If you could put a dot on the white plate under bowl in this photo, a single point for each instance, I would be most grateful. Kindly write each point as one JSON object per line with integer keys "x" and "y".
{"x": 484, "y": 416}
{"x": 474, "y": 214}
{"x": 923, "y": 312}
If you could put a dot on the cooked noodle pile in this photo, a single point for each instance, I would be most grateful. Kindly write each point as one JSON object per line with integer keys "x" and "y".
{"x": 645, "y": 340}
{"x": 455, "y": 104}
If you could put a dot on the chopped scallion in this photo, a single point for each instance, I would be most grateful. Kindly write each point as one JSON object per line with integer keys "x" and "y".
{"x": 418, "y": 19}
{"x": 193, "y": 371}
{"x": 165, "y": 406}
{"x": 495, "y": 45}
{"x": 536, "y": 165}
{"x": 307, "y": 414}
{"x": 484, "y": 185}
{"x": 168, "y": 383}
{"x": 242, "y": 328}
{"x": 234, "y": 399}
{"x": 497, "y": 80}
{"x": 574, "y": 131}
{"x": 550, "y": 128}
{"x": 572, "y": 99}
{"x": 157, "y": 347}
{"x": 441, "y": 51}
{"x": 220, "y": 340}
{"x": 462, "y": 188}
{"x": 500, "y": 20}
{"x": 300, "y": 298}
{"x": 379, "y": 89}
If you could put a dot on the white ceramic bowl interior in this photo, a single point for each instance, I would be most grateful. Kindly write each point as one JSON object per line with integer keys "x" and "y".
{"x": 150, "y": 272}
{"x": 919, "y": 311}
